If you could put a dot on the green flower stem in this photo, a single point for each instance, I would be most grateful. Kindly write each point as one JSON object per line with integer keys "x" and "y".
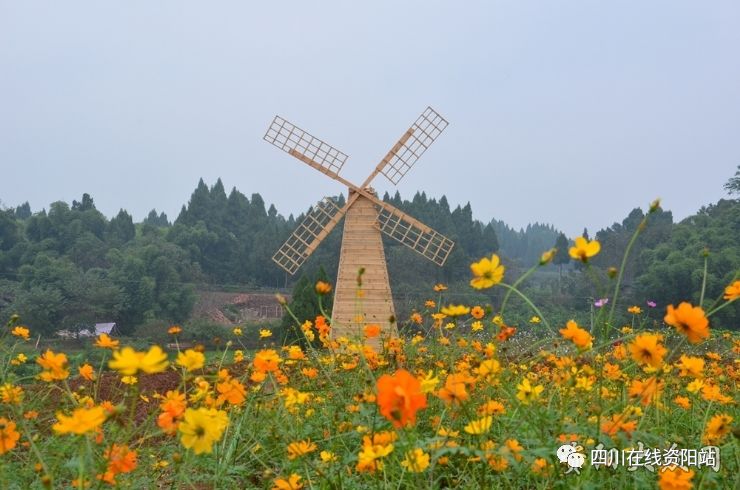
{"x": 516, "y": 283}
{"x": 720, "y": 307}
{"x": 529, "y": 302}
{"x": 615, "y": 296}
{"x": 703, "y": 282}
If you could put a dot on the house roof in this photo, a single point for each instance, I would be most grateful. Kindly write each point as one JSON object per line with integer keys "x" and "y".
{"x": 104, "y": 327}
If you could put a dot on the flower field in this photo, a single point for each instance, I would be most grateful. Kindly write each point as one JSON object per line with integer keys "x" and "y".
{"x": 460, "y": 399}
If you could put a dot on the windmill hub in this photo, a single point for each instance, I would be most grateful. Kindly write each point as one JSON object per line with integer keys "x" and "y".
{"x": 366, "y": 300}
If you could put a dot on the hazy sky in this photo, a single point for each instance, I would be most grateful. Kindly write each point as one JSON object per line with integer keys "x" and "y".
{"x": 570, "y": 113}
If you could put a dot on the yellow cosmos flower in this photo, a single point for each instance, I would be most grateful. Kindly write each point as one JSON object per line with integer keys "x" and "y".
{"x": 547, "y": 256}
{"x": 128, "y": 362}
{"x": 584, "y": 249}
{"x": 528, "y": 393}
{"x": 191, "y": 360}
{"x": 416, "y": 461}
{"x": 487, "y": 272}
{"x": 455, "y": 310}
{"x": 264, "y": 333}
{"x": 12, "y": 395}
{"x": 82, "y": 421}
{"x": 479, "y": 426}
{"x": 201, "y": 427}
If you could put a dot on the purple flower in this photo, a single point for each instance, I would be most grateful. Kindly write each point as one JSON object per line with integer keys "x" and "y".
{"x": 601, "y": 302}
{"x": 652, "y": 304}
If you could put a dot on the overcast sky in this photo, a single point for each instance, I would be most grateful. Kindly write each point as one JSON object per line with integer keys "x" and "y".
{"x": 570, "y": 113}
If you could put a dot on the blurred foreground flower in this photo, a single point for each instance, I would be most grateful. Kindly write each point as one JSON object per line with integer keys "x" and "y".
{"x": 584, "y": 249}
{"x": 127, "y": 361}
{"x": 400, "y": 397}
{"x": 202, "y": 427}
{"x": 688, "y": 320}
{"x": 82, "y": 421}
{"x": 487, "y": 272}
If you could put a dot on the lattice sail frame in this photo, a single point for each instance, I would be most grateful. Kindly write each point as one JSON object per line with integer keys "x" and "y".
{"x": 297, "y": 248}
{"x": 297, "y": 142}
{"x": 414, "y": 234}
{"x": 412, "y": 145}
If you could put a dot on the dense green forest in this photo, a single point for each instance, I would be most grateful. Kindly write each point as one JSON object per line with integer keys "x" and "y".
{"x": 69, "y": 266}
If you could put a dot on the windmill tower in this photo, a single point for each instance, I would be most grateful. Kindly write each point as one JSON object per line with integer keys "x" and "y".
{"x": 366, "y": 217}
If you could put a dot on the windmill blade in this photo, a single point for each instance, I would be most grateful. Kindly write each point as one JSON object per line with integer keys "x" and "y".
{"x": 318, "y": 223}
{"x": 413, "y": 233}
{"x": 307, "y": 148}
{"x": 414, "y": 142}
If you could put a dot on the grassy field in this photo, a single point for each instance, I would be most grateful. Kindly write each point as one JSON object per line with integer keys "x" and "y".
{"x": 463, "y": 400}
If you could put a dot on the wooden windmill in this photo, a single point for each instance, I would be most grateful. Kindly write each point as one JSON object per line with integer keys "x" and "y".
{"x": 366, "y": 217}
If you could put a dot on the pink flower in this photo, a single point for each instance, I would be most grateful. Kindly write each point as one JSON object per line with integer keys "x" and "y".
{"x": 651, "y": 304}
{"x": 601, "y": 302}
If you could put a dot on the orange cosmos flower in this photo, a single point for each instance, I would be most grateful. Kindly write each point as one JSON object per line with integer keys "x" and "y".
{"x": 121, "y": 459}
{"x": 293, "y": 482}
{"x": 55, "y": 366}
{"x": 231, "y": 391}
{"x": 732, "y": 292}
{"x": 618, "y": 422}
{"x": 372, "y": 331}
{"x": 323, "y": 288}
{"x": 400, "y": 397}
{"x": 23, "y": 332}
{"x": 105, "y": 342}
{"x": 86, "y": 371}
{"x": 8, "y": 435}
{"x": 266, "y": 361}
{"x": 717, "y": 428}
{"x": 691, "y": 366}
{"x": 646, "y": 349}
{"x": 454, "y": 390}
{"x": 648, "y": 390}
{"x": 675, "y": 478}
{"x": 477, "y": 312}
{"x": 688, "y": 320}
{"x": 174, "y": 330}
{"x": 581, "y": 338}
{"x": 300, "y": 448}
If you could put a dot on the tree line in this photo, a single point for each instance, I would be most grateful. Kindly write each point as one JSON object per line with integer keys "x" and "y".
{"x": 70, "y": 267}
